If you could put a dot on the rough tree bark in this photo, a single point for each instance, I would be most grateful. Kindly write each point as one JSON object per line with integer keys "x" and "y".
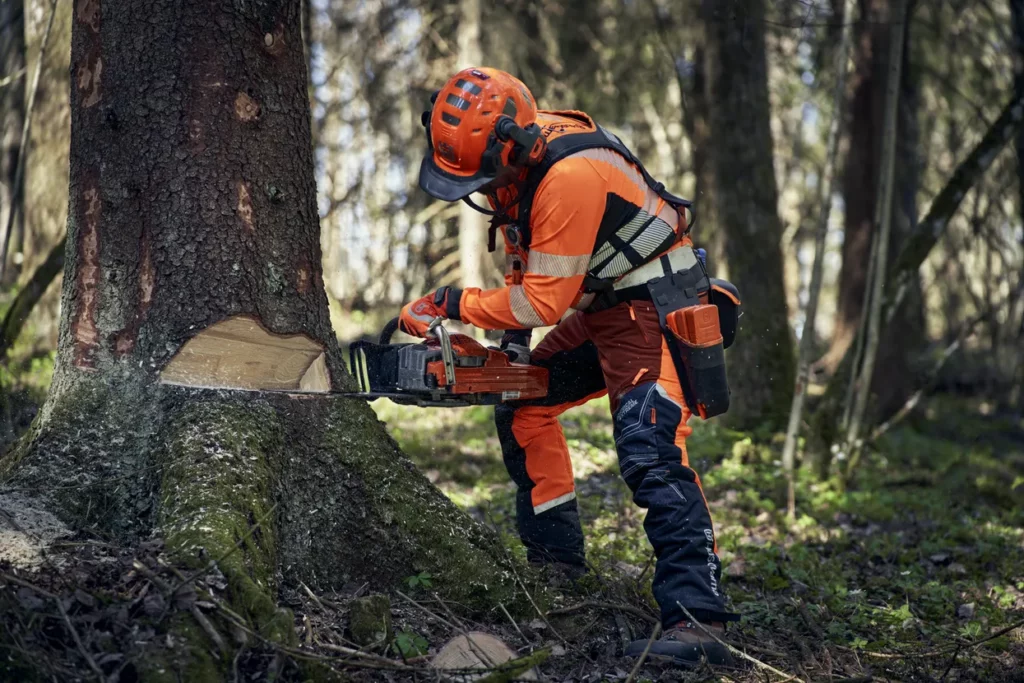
{"x": 193, "y": 201}
{"x": 744, "y": 191}
{"x": 1017, "y": 17}
{"x": 12, "y": 117}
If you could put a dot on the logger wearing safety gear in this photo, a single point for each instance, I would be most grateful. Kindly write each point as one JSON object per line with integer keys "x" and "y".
{"x": 585, "y": 226}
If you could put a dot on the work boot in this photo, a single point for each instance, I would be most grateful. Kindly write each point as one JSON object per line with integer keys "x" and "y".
{"x": 686, "y": 644}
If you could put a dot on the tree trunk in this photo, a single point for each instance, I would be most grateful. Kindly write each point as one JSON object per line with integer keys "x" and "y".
{"x": 884, "y": 220}
{"x": 46, "y": 161}
{"x": 708, "y": 233}
{"x": 744, "y": 191}
{"x": 1017, "y": 15}
{"x": 818, "y": 266}
{"x": 192, "y": 204}
{"x": 12, "y": 118}
{"x": 472, "y": 223}
{"x": 897, "y": 373}
{"x": 860, "y": 185}
{"x": 859, "y": 179}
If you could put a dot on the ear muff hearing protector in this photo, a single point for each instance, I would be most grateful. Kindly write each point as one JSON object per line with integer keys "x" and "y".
{"x": 425, "y": 118}
{"x": 530, "y": 145}
{"x": 528, "y": 148}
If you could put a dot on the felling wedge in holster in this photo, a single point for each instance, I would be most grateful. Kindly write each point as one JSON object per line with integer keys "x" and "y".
{"x": 699, "y": 316}
{"x": 691, "y": 308}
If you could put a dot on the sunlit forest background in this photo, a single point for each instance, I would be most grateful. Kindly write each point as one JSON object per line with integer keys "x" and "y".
{"x": 912, "y": 534}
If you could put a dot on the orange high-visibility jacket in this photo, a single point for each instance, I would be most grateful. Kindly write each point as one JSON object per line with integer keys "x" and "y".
{"x": 584, "y": 210}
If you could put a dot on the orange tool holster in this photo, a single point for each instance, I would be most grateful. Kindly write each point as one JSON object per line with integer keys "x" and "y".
{"x": 698, "y": 318}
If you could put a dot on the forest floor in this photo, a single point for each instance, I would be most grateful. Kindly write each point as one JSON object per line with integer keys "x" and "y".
{"x": 914, "y": 572}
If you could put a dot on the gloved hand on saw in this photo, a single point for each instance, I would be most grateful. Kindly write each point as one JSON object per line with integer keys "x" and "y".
{"x": 516, "y": 345}
{"x": 416, "y": 317}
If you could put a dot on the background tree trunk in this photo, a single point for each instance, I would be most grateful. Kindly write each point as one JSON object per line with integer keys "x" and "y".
{"x": 46, "y": 161}
{"x": 761, "y": 364}
{"x": 883, "y": 220}
{"x": 12, "y": 118}
{"x": 193, "y": 200}
{"x": 807, "y": 337}
{"x": 472, "y": 223}
{"x": 1017, "y": 17}
{"x": 860, "y": 186}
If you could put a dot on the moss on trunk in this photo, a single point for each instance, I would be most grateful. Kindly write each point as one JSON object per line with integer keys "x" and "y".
{"x": 334, "y": 499}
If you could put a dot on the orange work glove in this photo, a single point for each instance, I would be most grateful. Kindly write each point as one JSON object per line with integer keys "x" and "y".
{"x": 417, "y": 316}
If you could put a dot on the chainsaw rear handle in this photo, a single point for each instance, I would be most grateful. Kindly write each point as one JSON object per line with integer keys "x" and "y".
{"x": 389, "y": 330}
{"x": 438, "y": 330}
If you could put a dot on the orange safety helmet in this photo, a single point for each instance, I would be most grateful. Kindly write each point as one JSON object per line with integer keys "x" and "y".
{"x": 482, "y": 121}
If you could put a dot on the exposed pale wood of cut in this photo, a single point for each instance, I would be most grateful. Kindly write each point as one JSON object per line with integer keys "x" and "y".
{"x": 238, "y": 353}
{"x": 476, "y": 650}
{"x": 316, "y": 377}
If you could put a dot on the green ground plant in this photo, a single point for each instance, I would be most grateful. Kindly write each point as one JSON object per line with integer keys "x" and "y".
{"x": 921, "y": 553}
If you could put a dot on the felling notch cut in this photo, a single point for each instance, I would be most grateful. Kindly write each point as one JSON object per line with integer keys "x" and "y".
{"x": 445, "y": 370}
{"x": 238, "y": 353}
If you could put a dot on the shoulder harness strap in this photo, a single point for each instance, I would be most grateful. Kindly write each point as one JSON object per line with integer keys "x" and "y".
{"x": 570, "y": 143}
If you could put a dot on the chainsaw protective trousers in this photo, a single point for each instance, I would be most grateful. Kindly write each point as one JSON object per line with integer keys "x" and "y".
{"x": 619, "y": 351}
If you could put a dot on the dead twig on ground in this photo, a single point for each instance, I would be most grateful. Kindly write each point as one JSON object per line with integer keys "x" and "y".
{"x": 154, "y": 579}
{"x": 622, "y": 626}
{"x": 941, "y": 651}
{"x": 209, "y": 629}
{"x": 643, "y": 657}
{"x": 812, "y": 624}
{"x": 463, "y": 631}
{"x": 426, "y": 610}
{"x": 78, "y": 641}
{"x": 597, "y": 604}
{"x": 736, "y": 651}
{"x": 513, "y": 622}
{"x": 312, "y": 595}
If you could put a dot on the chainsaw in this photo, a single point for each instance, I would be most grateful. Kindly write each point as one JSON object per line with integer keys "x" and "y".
{"x": 446, "y": 369}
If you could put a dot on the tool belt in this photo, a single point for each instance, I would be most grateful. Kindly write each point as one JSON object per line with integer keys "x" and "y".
{"x": 698, "y": 315}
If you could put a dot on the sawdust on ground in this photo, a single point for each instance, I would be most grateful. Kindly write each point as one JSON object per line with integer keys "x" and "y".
{"x": 27, "y": 530}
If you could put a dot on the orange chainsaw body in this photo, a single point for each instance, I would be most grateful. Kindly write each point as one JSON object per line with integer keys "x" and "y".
{"x": 448, "y": 370}
{"x": 479, "y": 370}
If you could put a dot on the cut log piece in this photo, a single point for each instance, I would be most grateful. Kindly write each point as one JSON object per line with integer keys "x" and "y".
{"x": 238, "y": 353}
{"x": 476, "y": 650}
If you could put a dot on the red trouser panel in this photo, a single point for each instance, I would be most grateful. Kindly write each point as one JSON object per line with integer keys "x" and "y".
{"x": 631, "y": 350}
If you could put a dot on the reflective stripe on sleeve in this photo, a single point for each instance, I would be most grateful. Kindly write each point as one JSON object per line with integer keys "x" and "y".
{"x": 557, "y": 265}
{"x": 524, "y": 312}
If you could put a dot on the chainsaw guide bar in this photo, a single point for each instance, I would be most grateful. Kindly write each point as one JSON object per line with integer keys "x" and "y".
{"x": 449, "y": 371}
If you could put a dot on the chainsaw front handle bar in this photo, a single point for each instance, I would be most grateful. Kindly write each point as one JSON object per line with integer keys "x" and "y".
{"x": 447, "y": 355}
{"x": 436, "y": 328}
